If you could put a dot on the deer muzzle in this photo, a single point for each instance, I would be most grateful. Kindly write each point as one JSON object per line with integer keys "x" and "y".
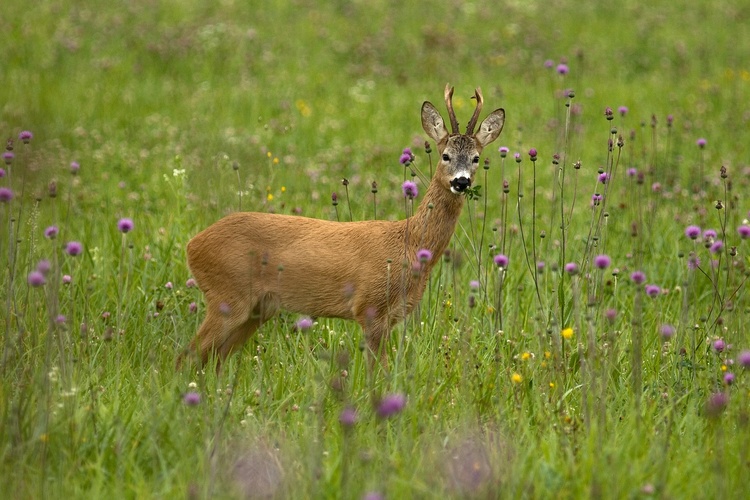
{"x": 460, "y": 184}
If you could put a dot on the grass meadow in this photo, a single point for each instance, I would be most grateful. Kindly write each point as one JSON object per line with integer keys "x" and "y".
{"x": 608, "y": 357}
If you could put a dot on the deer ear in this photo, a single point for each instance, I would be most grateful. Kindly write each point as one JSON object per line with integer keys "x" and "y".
{"x": 433, "y": 123}
{"x": 490, "y": 127}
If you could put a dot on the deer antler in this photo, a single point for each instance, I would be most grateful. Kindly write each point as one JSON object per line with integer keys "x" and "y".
{"x": 475, "y": 116}
{"x": 449, "y": 105}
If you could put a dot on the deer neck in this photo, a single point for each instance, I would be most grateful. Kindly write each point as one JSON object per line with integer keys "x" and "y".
{"x": 432, "y": 228}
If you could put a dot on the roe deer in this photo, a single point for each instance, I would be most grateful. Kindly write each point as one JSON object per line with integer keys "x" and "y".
{"x": 251, "y": 265}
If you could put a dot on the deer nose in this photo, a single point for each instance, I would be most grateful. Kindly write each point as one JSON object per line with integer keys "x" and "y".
{"x": 460, "y": 184}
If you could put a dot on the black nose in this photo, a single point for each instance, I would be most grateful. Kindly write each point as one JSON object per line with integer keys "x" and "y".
{"x": 461, "y": 184}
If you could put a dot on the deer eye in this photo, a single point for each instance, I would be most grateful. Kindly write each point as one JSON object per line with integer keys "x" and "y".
{"x": 476, "y": 159}
{"x": 446, "y": 158}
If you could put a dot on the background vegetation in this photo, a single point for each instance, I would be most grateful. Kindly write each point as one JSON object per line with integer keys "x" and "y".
{"x": 533, "y": 382}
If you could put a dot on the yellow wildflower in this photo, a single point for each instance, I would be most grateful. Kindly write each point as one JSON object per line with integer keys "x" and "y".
{"x": 567, "y": 333}
{"x": 526, "y": 356}
{"x": 269, "y": 197}
{"x": 516, "y": 378}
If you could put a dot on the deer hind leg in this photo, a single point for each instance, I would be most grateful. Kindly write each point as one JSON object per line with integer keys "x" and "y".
{"x": 228, "y": 326}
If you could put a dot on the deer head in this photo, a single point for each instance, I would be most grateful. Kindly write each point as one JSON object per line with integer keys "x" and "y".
{"x": 459, "y": 153}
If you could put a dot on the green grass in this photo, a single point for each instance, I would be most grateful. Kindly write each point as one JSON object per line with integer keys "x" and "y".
{"x": 158, "y": 102}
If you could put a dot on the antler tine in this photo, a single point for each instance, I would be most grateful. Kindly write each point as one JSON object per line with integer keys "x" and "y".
{"x": 449, "y": 105}
{"x": 477, "y": 110}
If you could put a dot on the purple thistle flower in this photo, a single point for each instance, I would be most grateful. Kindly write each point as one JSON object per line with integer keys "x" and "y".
{"x": 60, "y": 319}
{"x": 404, "y": 159}
{"x": 67, "y": 279}
{"x": 517, "y": 157}
{"x": 474, "y": 285}
{"x": 25, "y": 136}
{"x": 596, "y": 199}
{"x": 719, "y": 345}
{"x": 500, "y": 260}
{"x": 603, "y": 177}
{"x": 424, "y": 255}
{"x": 125, "y": 225}
{"x": 532, "y": 154}
{"x": 602, "y": 261}
{"x": 571, "y": 268}
{"x": 744, "y": 231}
{"x": 36, "y": 278}
{"x": 562, "y": 69}
{"x": 638, "y": 277}
{"x": 168, "y": 285}
{"x": 304, "y": 324}
{"x": 73, "y": 248}
{"x": 716, "y": 404}
{"x": 744, "y": 359}
{"x": 709, "y": 235}
{"x": 8, "y": 158}
{"x": 693, "y": 262}
{"x": 192, "y": 307}
{"x": 407, "y": 151}
{"x": 74, "y": 167}
{"x": 692, "y": 232}
{"x": 390, "y": 405}
{"x": 503, "y": 151}
{"x": 2, "y": 173}
{"x": 409, "y": 189}
{"x": 611, "y": 315}
{"x": 632, "y": 172}
{"x": 716, "y": 246}
{"x": 656, "y": 187}
{"x": 348, "y": 417}
{"x": 608, "y": 113}
{"x": 666, "y": 331}
{"x": 44, "y": 266}
{"x": 191, "y": 398}
{"x": 729, "y": 378}
{"x": 5, "y": 194}
{"x": 549, "y": 64}
{"x": 623, "y": 110}
{"x": 652, "y": 290}
{"x": 191, "y": 283}
{"x": 51, "y": 232}
{"x": 701, "y": 143}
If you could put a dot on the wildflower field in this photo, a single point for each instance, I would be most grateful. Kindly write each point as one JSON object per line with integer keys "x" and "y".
{"x": 585, "y": 334}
